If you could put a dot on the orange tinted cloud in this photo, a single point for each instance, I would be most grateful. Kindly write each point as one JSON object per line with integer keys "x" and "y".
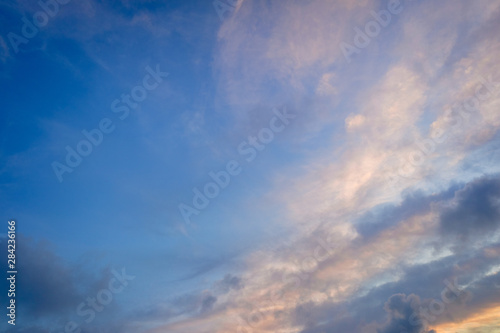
{"x": 486, "y": 321}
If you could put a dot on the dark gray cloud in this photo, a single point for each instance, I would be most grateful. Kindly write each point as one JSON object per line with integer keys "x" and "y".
{"x": 207, "y": 303}
{"x": 190, "y": 304}
{"x": 464, "y": 210}
{"x": 475, "y": 210}
{"x": 49, "y": 289}
{"x": 193, "y": 303}
{"x": 388, "y": 215}
{"x": 401, "y": 311}
{"x": 228, "y": 283}
{"x": 45, "y": 284}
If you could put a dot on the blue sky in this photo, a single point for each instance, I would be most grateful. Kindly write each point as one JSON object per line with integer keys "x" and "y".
{"x": 356, "y": 143}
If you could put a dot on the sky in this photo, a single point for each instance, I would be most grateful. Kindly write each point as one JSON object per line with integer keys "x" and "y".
{"x": 247, "y": 166}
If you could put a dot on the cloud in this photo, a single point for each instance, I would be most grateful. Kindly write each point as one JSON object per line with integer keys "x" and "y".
{"x": 283, "y": 53}
{"x": 49, "y": 288}
{"x": 423, "y": 284}
{"x": 229, "y": 282}
{"x": 385, "y": 216}
{"x": 475, "y": 209}
{"x": 399, "y": 309}
{"x": 193, "y": 305}
{"x": 207, "y": 303}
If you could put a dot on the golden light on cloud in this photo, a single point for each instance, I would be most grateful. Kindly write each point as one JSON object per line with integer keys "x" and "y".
{"x": 487, "y": 321}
